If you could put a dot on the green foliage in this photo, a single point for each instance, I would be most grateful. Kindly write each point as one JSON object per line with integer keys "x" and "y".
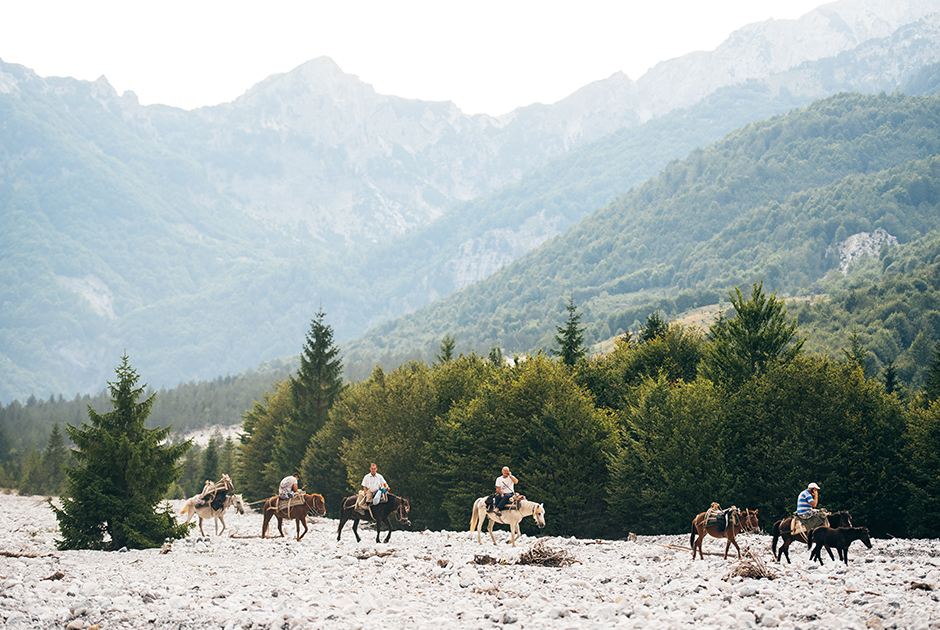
{"x": 447, "y": 349}
{"x": 816, "y": 420}
{"x": 670, "y": 458}
{"x": 570, "y": 337}
{"x": 932, "y": 384}
{"x": 534, "y": 418}
{"x": 758, "y": 336}
{"x": 312, "y": 392}
{"x": 923, "y": 451}
{"x": 123, "y": 471}
{"x": 257, "y": 478}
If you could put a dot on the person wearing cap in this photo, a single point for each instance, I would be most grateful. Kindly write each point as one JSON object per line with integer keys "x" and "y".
{"x": 288, "y": 486}
{"x": 808, "y": 500}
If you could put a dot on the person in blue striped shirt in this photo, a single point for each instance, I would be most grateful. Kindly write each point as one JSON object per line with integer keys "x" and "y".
{"x": 808, "y": 500}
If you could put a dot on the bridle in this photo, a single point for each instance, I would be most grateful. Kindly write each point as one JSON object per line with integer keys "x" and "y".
{"x": 402, "y": 512}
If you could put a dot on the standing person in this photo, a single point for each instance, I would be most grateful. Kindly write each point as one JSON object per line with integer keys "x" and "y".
{"x": 288, "y": 486}
{"x": 374, "y": 485}
{"x": 505, "y": 488}
{"x": 808, "y": 500}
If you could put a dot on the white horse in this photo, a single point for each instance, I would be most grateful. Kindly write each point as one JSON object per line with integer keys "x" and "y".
{"x": 206, "y": 511}
{"x": 506, "y": 517}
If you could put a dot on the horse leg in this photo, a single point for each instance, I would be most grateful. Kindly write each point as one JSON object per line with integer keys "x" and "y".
{"x": 200, "y": 528}
{"x": 356, "y": 528}
{"x": 479, "y": 526}
{"x": 492, "y": 522}
{"x": 264, "y": 524}
{"x": 302, "y": 519}
{"x": 222, "y": 519}
{"x": 785, "y": 549}
{"x": 388, "y": 523}
{"x": 343, "y": 517}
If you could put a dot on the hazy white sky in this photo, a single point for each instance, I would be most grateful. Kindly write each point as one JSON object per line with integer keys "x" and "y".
{"x": 486, "y": 56}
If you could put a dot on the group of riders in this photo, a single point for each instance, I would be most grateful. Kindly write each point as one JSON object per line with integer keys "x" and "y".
{"x": 375, "y": 490}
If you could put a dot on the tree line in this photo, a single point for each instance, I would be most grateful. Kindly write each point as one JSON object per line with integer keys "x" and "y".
{"x": 637, "y": 440}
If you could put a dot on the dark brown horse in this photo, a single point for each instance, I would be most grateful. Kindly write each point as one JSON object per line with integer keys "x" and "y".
{"x": 298, "y": 512}
{"x": 746, "y": 520}
{"x": 781, "y": 531}
{"x": 840, "y": 538}
{"x": 380, "y": 514}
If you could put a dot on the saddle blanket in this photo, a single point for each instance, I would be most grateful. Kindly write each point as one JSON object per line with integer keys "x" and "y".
{"x": 722, "y": 519}
{"x": 801, "y": 524}
{"x": 286, "y": 504}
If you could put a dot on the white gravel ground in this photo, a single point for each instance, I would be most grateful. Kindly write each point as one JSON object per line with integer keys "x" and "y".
{"x": 429, "y": 581}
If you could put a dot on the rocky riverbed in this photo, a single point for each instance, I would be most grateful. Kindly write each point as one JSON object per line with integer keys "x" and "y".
{"x": 432, "y": 580}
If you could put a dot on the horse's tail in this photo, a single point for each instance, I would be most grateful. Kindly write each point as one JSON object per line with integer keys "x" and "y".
{"x": 776, "y": 536}
{"x": 187, "y": 508}
{"x": 692, "y": 535}
{"x": 474, "y": 517}
{"x": 809, "y": 538}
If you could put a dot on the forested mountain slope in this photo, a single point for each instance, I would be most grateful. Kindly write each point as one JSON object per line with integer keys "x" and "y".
{"x": 202, "y": 242}
{"x": 764, "y": 203}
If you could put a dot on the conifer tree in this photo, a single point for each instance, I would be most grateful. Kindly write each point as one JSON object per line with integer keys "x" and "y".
{"x": 210, "y": 458}
{"x": 448, "y": 343}
{"x": 227, "y": 458}
{"x": 123, "y": 471}
{"x": 54, "y": 460}
{"x": 655, "y": 327}
{"x": 312, "y": 392}
{"x": 570, "y": 337}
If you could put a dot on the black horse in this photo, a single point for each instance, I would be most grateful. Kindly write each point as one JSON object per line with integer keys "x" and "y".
{"x": 781, "y": 530}
{"x": 380, "y": 514}
{"x": 840, "y": 538}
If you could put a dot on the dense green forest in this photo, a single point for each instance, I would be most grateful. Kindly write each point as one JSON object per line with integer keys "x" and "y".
{"x": 639, "y": 439}
{"x": 767, "y": 201}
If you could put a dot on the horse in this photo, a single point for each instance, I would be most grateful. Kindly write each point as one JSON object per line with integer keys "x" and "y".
{"x": 206, "y": 511}
{"x": 379, "y": 513}
{"x": 298, "y": 512}
{"x": 506, "y": 517}
{"x": 747, "y": 521}
{"x": 840, "y": 538}
{"x": 782, "y": 530}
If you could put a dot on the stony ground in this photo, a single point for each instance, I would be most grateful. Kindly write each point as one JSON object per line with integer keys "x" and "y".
{"x": 430, "y": 580}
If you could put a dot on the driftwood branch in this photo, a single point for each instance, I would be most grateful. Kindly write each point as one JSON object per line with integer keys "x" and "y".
{"x": 681, "y": 548}
{"x": 13, "y": 554}
{"x": 542, "y": 555}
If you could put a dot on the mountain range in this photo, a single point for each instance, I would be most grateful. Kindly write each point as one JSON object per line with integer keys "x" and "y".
{"x": 202, "y": 242}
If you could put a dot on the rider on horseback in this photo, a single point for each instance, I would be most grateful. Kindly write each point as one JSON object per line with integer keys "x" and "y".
{"x": 373, "y": 488}
{"x": 289, "y": 486}
{"x": 505, "y": 488}
{"x": 807, "y": 501}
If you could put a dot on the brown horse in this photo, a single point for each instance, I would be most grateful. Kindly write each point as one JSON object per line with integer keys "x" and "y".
{"x": 782, "y": 531}
{"x": 298, "y": 512}
{"x": 746, "y": 520}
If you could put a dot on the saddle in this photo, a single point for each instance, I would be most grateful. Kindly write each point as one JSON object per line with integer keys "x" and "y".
{"x": 800, "y": 524}
{"x": 512, "y": 504}
{"x": 284, "y": 505}
{"x": 721, "y": 519}
{"x": 215, "y": 494}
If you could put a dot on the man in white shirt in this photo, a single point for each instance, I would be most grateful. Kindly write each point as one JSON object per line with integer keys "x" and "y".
{"x": 373, "y": 485}
{"x": 288, "y": 486}
{"x": 505, "y": 488}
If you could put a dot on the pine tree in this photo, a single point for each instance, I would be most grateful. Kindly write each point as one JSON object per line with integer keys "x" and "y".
{"x": 227, "y": 458}
{"x": 448, "y": 343}
{"x": 210, "y": 458}
{"x": 655, "y": 327}
{"x": 54, "y": 461}
{"x": 890, "y": 377}
{"x": 856, "y": 354}
{"x": 312, "y": 392}
{"x": 570, "y": 337}
{"x": 758, "y": 336}
{"x": 123, "y": 471}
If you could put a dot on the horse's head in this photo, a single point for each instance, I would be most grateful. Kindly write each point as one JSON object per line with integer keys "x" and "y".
{"x": 846, "y": 519}
{"x": 749, "y": 521}
{"x": 235, "y": 500}
{"x": 316, "y": 503}
{"x": 403, "y": 508}
{"x": 863, "y": 535}
{"x": 539, "y": 515}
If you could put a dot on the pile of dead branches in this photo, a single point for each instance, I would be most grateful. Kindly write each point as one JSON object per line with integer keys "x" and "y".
{"x": 544, "y": 556}
{"x": 484, "y": 559}
{"x": 751, "y": 566}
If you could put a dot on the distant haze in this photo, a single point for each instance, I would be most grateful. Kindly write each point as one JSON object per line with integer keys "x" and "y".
{"x": 484, "y": 56}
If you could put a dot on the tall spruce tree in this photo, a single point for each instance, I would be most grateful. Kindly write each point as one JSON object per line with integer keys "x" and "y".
{"x": 312, "y": 392}
{"x": 54, "y": 460}
{"x": 757, "y": 337}
{"x": 123, "y": 471}
{"x": 570, "y": 337}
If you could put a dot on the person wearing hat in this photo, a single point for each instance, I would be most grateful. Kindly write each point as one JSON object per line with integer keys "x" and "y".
{"x": 808, "y": 500}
